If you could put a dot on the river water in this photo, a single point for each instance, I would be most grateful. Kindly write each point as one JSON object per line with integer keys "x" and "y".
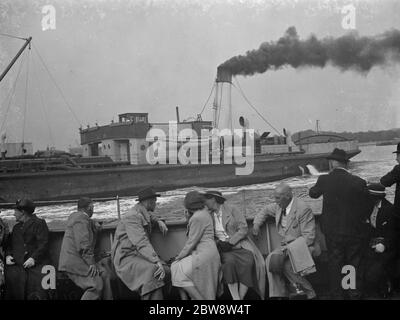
{"x": 372, "y": 163}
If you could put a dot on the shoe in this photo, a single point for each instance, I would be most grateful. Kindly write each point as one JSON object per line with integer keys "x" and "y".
{"x": 298, "y": 294}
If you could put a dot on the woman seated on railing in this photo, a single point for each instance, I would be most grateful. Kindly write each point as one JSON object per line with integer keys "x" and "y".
{"x": 196, "y": 268}
{"x": 243, "y": 265}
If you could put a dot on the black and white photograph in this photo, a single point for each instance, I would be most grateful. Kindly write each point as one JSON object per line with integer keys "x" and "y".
{"x": 203, "y": 155}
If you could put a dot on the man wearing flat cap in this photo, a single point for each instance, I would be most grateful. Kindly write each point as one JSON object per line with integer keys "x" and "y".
{"x": 343, "y": 220}
{"x": 136, "y": 262}
{"x": 379, "y": 256}
{"x": 26, "y": 254}
{"x": 77, "y": 256}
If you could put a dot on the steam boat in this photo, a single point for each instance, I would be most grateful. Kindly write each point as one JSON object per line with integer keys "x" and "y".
{"x": 114, "y": 159}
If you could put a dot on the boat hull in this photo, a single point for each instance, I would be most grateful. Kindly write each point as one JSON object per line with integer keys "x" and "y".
{"x": 126, "y": 181}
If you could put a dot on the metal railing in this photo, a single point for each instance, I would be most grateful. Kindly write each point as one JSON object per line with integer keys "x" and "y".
{"x": 10, "y": 205}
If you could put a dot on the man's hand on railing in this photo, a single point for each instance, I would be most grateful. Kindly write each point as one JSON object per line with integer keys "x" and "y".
{"x": 163, "y": 227}
{"x": 98, "y": 225}
{"x": 256, "y": 230}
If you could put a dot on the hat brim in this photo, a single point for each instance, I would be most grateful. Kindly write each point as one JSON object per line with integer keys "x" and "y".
{"x": 398, "y": 151}
{"x": 148, "y": 197}
{"x": 20, "y": 208}
{"x": 330, "y": 157}
{"x": 377, "y": 194}
{"x": 212, "y": 195}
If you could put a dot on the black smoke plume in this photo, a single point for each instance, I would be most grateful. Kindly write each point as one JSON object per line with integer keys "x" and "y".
{"x": 349, "y": 52}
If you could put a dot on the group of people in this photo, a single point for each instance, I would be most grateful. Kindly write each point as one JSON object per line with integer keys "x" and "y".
{"x": 217, "y": 249}
{"x": 359, "y": 225}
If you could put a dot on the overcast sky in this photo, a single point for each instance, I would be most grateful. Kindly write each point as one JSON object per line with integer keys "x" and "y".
{"x": 111, "y": 57}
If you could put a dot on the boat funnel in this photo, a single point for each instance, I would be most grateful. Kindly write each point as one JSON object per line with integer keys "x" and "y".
{"x": 224, "y": 75}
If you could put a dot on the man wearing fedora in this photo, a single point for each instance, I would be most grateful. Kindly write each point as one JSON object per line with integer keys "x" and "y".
{"x": 77, "y": 256}
{"x": 393, "y": 177}
{"x": 136, "y": 262}
{"x": 26, "y": 254}
{"x": 343, "y": 220}
{"x": 379, "y": 256}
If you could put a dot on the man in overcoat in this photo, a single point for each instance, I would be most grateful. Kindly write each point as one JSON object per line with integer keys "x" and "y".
{"x": 136, "y": 262}
{"x": 343, "y": 221}
{"x": 77, "y": 257}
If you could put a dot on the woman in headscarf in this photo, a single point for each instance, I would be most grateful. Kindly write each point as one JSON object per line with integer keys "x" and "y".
{"x": 196, "y": 268}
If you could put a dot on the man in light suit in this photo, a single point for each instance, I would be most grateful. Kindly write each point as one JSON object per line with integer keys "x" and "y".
{"x": 293, "y": 219}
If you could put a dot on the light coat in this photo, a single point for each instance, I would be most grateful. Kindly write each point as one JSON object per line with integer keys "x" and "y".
{"x": 300, "y": 222}
{"x": 206, "y": 260}
{"x": 133, "y": 256}
{"x": 77, "y": 249}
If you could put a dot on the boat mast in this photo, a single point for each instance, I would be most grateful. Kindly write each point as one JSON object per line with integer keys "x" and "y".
{"x": 27, "y": 42}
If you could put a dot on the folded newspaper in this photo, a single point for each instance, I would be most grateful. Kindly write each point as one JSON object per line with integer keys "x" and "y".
{"x": 300, "y": 257}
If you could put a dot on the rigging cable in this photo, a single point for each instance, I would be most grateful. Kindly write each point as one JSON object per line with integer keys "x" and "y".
{"x": 247, "y": 100}
{"x": 26, "y": 97}
{"x": 212, "y": 89}
{"x": 55, "y": 84}
{"x": 11, "y": 95}
{"x": 44, "y": 109}
{"x": 11, "y": 36}
{"x": 220, "y": 105}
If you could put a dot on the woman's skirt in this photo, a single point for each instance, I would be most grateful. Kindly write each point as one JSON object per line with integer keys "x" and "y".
{"x": 181, "y": 272}
{"x": 238, "y": 267}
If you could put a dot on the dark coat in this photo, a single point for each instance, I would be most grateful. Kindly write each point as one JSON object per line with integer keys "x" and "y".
{"x": 345, "y": 205}
{"x": 77, "y": 249}
{"x": 29, "y": 240}
{"x": 391, "y": 178}
{"x": 386, "y": 225}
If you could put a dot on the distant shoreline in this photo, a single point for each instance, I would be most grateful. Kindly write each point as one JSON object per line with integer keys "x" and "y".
{"x": 379, "y": 143}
